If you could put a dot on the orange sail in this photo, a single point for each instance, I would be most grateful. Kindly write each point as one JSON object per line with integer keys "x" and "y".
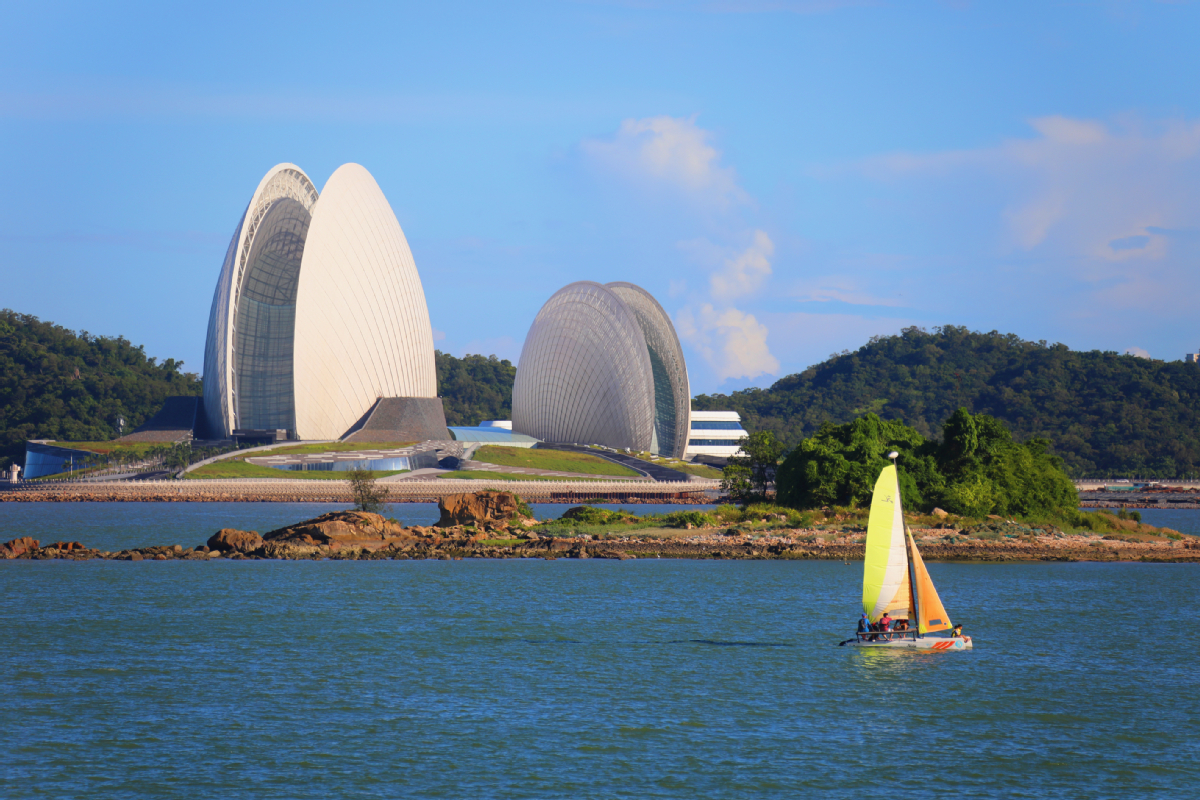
{"x": 933, "y": 613}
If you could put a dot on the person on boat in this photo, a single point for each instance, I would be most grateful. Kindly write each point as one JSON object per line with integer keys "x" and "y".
{"x": 957, "y": 632}
{"x": 901, "y": 625}
{"x": 885, "y": 625}
{"x": 864, "y": 624}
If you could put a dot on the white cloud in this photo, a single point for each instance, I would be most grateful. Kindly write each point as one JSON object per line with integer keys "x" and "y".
{"x": 670, "y": 151}
{"x": 745, "y": 272}
{"x": 733, "y": 342}
{"x": 1137, "y": 351}
{"x": 839, "y": 288}
{"x": 1081, "y": 188}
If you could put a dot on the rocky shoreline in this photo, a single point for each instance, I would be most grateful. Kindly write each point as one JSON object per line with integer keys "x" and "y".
{"x": 492, "y": 525}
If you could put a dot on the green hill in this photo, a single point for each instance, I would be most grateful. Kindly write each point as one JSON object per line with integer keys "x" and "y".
{"x": 59, "y": 384}
{"x": 475, "y": 388}
{"x": 1104, "y": 414}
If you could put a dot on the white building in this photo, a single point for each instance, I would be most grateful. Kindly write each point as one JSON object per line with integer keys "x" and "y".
{"x": 318, "y": 313}
{"x": 715, "y": 433}
{"x": 601, "y": 364}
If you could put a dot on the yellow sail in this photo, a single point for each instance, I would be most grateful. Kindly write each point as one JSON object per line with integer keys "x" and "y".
{"x": 885, "y": 568}
{"x": 933, "y": 613}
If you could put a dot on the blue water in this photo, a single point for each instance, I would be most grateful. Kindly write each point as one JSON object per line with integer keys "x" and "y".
{"x": 566, "y": 679}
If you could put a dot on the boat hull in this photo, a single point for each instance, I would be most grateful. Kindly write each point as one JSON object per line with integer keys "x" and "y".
{"x": 936, "y": 644}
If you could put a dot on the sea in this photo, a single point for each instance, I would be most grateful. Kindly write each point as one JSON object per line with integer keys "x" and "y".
{"x": 648, "y": 678}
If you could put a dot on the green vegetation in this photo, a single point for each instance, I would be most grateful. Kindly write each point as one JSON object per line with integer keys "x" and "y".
{"x": 481, "y": 475}
{"x": 589, "y": 515}
{"x": 474, "y": 388}
{"x": 368, "y": 496}
{"x": 555, "y": 460}
{"x": 1107, "y": 415}
{"x": 751, "y": 471}
{"x": 236, "y": 468}
{"x": 700, "y": 470}
{"x": 58, "y": 384}
{"x": 977, "y": 469}
{"x": 758, "y": 519}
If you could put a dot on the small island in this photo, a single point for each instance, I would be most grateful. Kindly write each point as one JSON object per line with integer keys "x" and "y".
{"x": 492, "y": 524}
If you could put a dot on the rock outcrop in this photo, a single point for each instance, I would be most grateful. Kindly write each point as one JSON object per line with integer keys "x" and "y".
{"x": 343, "y": 527}
{"x": 231, "y": 540}
{"x": 481, "y": 507}
{"x": 19, "y": 547}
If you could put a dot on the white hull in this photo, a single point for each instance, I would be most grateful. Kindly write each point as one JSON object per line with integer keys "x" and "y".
{"x": 935, "y": 643}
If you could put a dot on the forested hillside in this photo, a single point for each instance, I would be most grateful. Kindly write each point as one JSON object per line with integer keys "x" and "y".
{"x": 59, "y": 384}
{"x": 56, "y": 383}
{"x": 475, "y": 388}
{"x": 1104, "y": 414}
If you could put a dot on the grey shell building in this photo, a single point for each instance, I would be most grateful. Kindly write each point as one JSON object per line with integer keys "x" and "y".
{"x": 318, "y": 323}
{"x": 602, "y": 365}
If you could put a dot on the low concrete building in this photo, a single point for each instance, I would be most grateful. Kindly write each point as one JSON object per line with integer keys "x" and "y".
{"x": 715, "y": 433}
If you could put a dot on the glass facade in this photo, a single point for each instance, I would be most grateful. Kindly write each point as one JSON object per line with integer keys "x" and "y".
{"x": 266, "y": 320}
{"x": 714, "y": 442}
{"x": 710, "y": 425}
{"x": 672, "y": 397}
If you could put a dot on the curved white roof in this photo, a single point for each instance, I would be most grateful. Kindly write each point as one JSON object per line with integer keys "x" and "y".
{"x": 672, "y": 394}
{"x": 220, "y": 405}
{"x": 330, "y": 305}
{"x": 362, "y": 326}
{"x": 585, "y": 374}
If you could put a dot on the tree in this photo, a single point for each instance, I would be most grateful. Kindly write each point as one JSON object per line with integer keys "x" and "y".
{"x": 368, "y": 496}
{"x": 750, "y": 474}
{"x": 839, "y": 466}
{"x": 976, "y": 469}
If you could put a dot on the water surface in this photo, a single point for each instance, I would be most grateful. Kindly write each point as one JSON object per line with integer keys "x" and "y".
{"x": 568, "y": 679}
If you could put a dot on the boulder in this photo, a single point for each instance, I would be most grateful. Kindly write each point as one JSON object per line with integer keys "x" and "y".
{"x": 338, "y": 526}
{"x": 231, "y": 540}
{"x": 19, "y": 547}
{"x": 66, "y": 546}
{"x": 486, "y": 506}
{"x": 937, "y": 512}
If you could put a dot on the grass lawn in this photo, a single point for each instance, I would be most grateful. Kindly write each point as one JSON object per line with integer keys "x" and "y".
{"x": 701, "y": 470}
{"x": 557, "y": 460}
{"x": 691, "y": 468}
{"x": 480, "y": 475}
{"x": 336, "y": 447}
{"x": 241, "y": 469}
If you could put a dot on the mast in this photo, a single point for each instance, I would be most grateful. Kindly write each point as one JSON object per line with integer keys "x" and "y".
{"x": 908, "y": 545}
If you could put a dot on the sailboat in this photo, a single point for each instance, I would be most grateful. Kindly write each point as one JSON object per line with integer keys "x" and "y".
{"x": 895, "y": 580}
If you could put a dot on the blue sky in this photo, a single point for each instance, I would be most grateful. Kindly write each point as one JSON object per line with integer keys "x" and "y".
{"x": 787, "y": 178}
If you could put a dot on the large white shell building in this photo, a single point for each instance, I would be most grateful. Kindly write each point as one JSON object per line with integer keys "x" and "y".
{"x": 318, "y": 313}
{"x": 602, "y": 365}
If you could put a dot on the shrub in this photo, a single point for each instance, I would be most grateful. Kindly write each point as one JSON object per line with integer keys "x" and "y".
{"x": 727, "y": 513}
{"x": 697, "y": 519}
{"x": 588, "y": 515}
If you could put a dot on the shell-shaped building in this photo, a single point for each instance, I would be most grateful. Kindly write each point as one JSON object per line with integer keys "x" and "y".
{"x": 318, "y": 312}
{"x": 602, "y": 364}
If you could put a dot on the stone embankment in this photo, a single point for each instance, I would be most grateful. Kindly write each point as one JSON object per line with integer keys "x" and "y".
{"x": 273, "y": 490}
{"x": 492, "y": 525}
{"x": 1160, "y": 497}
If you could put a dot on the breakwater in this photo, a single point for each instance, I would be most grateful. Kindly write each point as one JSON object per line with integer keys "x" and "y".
{"x": 334, "y": 491}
